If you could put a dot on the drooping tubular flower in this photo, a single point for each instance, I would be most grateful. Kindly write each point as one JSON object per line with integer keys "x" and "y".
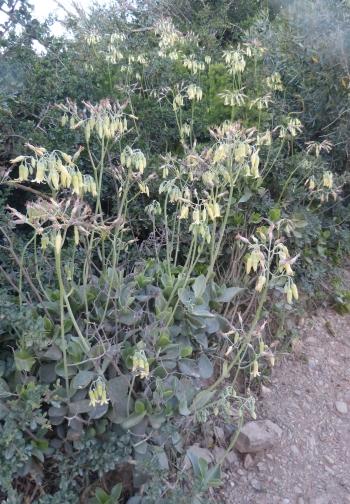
{"x": 291, "y": 291}
{"x": 194, "y": 92}
{"x": 140, "y": 364}
{"x": 98, "y": 393}
{"x": 255, "y": 369}
{"x": 328, "y": 179}
{"x": 57, "y": 169}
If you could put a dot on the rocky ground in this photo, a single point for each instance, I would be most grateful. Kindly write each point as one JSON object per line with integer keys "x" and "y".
{"x": 309, "y": 399}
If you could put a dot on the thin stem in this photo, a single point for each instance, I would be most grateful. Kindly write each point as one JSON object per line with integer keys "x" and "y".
{"x": 63, "y": 339}
{"x": 274, "y": 161}
{"x": 168, "y": 253}
{"x": 193, "y": 263}
{"x": 21, "y": 269}
{"x": 83, "y": 340}
{"x": 129, "y": 395}
{"x": 37, "y": 273}
{"x": 222, "y": 231}
{"x": 287, "y": 184}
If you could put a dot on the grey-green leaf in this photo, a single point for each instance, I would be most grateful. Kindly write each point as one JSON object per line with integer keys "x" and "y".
{"x": 24, "y": 360}
{"x": 202, "y": 398}
{"x": 117, "y": 389}
{"x": 133, "y": 420}
{"x": 189, "y": 367}
{"x": 199, "y": 286}
{"x": 4, "y": 389}
{"x": 82, "y": 379}
{"x": 228, "y": 294}
{"x": 205, "y": 367}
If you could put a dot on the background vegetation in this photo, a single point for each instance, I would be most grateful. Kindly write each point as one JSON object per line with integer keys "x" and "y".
{"x": 173, "y": 174}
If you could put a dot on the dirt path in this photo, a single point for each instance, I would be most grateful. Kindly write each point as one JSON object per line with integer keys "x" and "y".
{"x": 309, "y": 398}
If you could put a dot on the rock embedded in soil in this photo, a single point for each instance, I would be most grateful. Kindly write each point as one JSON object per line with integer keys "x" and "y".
{"x": 258, "y": 436}
{"x": 248, "y": 461}
{"x": 341, "y": 407}
{"x": 256, "y": 484}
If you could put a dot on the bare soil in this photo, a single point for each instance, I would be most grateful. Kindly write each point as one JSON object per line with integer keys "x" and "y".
{"x": 309, "y": 398}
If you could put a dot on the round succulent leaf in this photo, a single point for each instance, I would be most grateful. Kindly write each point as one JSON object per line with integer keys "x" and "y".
{"x": 98, "y": 411}
{"x": 82, "y": 379}
{"x": 47, "y": 373}
{"x": 133, "y": 420}
{"x": 189, "y": 367}
{"x": 60, "y": 371}
{"x": 24, "y": 361}
{"x": 117, "y": 389}
{"x": 52, "y": 353}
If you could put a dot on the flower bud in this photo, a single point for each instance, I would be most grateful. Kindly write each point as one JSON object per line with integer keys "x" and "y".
{"x": 44, "y": 242}
{"x": 66, "y": 177}
{"x": 64, "y": 120}
{"x": 196, "y": 216}
{"x": 92, "y": 398}
{"x": 40, "y": 172}
{"x": 328, "y": 180}
{"x": 184, "y": 212}
{"x": 217, "y": 212}
{"x": 255, "y": 160}
{"x": 211, "y": 212}
{"x": 54, "y": 179}
{"x": 76, "y": 235}
{"x": 67, "y": 158}
{"x": 295, "y": 291}
{"x": 58, "y": 242}
{"x": 255, "y": 370}
{"x": 260, "y": 283}
{"x": 23, "y": 172}
{"x": 75, "y": 184}
{"x": 261, "y": 346}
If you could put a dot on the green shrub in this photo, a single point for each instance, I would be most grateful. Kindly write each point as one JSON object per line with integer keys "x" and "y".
{"x": 150, "y": 258}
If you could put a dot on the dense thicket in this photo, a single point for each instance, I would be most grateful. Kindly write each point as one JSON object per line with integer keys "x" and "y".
{"x": 172, "y": 175}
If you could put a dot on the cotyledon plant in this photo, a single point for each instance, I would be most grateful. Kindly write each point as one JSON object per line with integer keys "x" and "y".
{"x": 164, "y": 314}
{"x": 131, "y": 338}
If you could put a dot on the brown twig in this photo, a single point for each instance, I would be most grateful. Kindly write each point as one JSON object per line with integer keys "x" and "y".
{"x": 16, "y": 185}
{"x": 9, "y": 279}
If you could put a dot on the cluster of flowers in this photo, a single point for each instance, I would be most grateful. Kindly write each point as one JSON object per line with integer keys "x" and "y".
{"x": 106, "y": 120}
{"x": 98, "y": 393}
{"x": 256, "y": 261}
{"x": 57, "y": 169}
{"x": 324, "y": 188}
{"x": 133, "y": 158}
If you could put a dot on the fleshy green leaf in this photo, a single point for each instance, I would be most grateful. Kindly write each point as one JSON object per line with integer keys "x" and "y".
{"x": 82, "y": 379}
{"x": 133, "y": 420}
{"x": 24, "y": 360}
{"x": 202, "y": 399}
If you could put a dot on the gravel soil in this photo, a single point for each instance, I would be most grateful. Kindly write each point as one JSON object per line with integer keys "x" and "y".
{"x": 309, "y": 398}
